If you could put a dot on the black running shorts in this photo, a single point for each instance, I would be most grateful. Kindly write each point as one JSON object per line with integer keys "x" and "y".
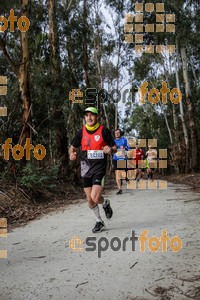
{"x": 96, "y": 179}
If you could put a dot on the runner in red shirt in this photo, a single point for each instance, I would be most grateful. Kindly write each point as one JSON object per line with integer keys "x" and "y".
{"x": 138, "y": 156}
{"x": 96, "y": 142}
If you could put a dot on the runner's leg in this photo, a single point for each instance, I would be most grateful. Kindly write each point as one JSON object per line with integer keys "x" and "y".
{"x": 118, "y": 181}
{"x": 136, "y": 172}
{"x": 96, "y": 195}
{"x": 88, "y": 191}
{"x": 139, "y": 174}
{"x": 151, "y": 174}
{"x": 93, "y": 206}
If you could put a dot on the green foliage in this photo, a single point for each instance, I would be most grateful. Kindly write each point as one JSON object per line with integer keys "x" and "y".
{"x": 34, "y": 177}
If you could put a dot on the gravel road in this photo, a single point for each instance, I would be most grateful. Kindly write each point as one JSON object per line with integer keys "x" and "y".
{"x": 41, "y": 265}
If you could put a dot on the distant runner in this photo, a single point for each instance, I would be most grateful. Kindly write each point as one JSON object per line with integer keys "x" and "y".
{"x": 121, "y": 145}
{"x": 151, "y": 156}
{"x": 138, "y": 156}
{"x": 96, "y": 142}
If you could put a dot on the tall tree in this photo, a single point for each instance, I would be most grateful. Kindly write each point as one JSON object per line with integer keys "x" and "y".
{"x": 85, "y": 41}
{"x": 195, "y": 157}
{"x": 22, "y": 75}
{"x": 185, "y": 131}
{"x": 55, "y": 70}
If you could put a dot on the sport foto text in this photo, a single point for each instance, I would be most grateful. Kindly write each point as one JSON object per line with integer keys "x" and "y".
{"x": 164, "y": 90}
{"x": 12, "y": 18}
{"x": 93, "y": 96}
{"x": 18, "y": 148}
{"x": 103, "y": 243}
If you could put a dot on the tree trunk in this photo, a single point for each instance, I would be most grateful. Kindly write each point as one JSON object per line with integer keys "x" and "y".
{"x": 99, "y": 73}
{"x": 195, "y": 158}
{"x": 175, "y": 119}
{"x": 100, "y": 83}
{"x": 173, "y": 105}
{"x": 61, "y": 134}
{"x": 167, "y": 124}
{"x": 97, "y": 50}
{"x": 85, "y": 26}
{"x": 116, "y": 101}
{"x": 53, "y": 38}
{"x": 193, "y": 72}
{"x": 173, "y": 108}
{"x": 185, "y": 132}
{"x": 23, "y": 77}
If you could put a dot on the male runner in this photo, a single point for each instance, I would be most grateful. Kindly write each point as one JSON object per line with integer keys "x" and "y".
{"x": 151, "y": 156}
{"x": 121, "y": 144}
{"x": 96, "y": 142}
{"x": 138, "y": 155}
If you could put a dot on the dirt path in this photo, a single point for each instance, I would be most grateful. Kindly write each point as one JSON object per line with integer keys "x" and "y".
{"x": 41, "y": 265}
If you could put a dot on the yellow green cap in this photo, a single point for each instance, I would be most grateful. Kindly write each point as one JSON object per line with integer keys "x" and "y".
{"x": 91, "y": 109}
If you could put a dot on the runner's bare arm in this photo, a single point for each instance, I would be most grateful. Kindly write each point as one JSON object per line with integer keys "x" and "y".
{"x": 72, "y": 153}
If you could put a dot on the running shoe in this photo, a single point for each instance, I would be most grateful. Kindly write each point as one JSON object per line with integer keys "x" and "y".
{"x": 108, "y": 210}
{"x": 119, "y": 192}
{"x": 99, "y": 226}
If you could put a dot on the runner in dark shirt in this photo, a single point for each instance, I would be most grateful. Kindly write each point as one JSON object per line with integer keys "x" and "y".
{"x": 90, "y": 167}
{"x": 96, "y": 142}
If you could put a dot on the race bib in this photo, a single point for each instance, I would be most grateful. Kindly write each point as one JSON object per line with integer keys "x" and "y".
{"x": 95, "y": 154}
{"x": 120, "y": 153}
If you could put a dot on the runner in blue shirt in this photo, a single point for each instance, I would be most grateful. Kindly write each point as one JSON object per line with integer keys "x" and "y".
{"x": 121, "y": 144}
